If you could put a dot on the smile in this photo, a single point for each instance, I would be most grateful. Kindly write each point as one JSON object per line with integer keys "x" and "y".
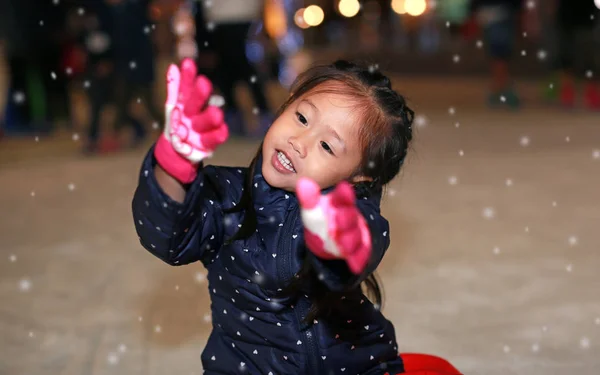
{"x": 282, "y": 163}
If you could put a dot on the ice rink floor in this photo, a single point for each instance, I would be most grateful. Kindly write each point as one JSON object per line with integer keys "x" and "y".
{"x": 494, "y": 263}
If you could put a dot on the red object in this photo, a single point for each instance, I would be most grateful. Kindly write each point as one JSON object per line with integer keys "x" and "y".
{"x": 592, "y": 97}
{"x": 74, "y": 58}
{"x": 425, "y": 364}
{"x": 567, "y": 96}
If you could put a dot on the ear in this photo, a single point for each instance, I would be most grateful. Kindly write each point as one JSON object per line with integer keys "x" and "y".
{"x": 357, "y": 179}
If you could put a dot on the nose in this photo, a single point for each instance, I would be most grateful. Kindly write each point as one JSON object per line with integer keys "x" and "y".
{"x": 298, "y": 145}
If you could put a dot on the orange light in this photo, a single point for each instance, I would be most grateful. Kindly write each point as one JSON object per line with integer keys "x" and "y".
{"x": 398, "y": 6}
{"x": 415, "y": 7}
{"x": 313, "y": 15}
{"x": 349, "y": 8}
{"x": 299, "y": 19}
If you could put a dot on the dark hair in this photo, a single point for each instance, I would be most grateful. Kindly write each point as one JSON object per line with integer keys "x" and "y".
{"x": 385, "y": 134}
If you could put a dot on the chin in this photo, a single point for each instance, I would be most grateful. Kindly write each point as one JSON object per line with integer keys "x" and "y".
{"x": 274, "y": 174}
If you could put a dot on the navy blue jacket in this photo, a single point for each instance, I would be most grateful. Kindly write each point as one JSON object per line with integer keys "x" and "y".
{"x": 255, "y": 331}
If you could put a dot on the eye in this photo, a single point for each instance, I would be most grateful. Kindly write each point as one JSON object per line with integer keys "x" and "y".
{"x": 301, "y": 118}
{"x": 326, "y": 147}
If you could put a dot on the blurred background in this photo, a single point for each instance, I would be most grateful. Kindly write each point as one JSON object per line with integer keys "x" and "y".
{"x": 494, "y": 254}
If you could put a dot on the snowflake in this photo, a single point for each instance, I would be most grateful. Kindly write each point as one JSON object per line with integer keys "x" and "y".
{"x": 71, "y": 186}
{"x": 506, "y": 349}
{"x": 208, "y": 3}
{"x": 157, "y": 328}
{"x": 535, "y": 347}
{"x": 461, "y": 153}
{"x": 420, "y": 120}
{"x": 597, "y": 321}
{"x": 457, "y": 125}
{"x": 140, "y": 318}
{"x": 32, "y": 193}
{"x": 524, "y": 141}
{"x": 447, "y": 23}
{"x": 509, "y": 182}
{"x": 453, "y": 180}
{"x": 456, "y": 58}
{"x": 75, "y": 137}
{"x": 207, "y": 318}
{"x": 112, "y": 359}
{"x": 253, "y": 79}
{"x": 573, "y": 240}
{"x": 122, "y": 348}
{"x": 584, "y": 343}
{"x": 567, "y": 139}
{"x": 41, "y": 22}
{"x": 503, "y": 98}
{"x": 530, "y": 4}
{"x": 86, "y": 84}
{"x": 489, "y": 213}
{"x": 569, "y": 267}
{"x": 554, "y": 203}
{"x": 18, "y": 97}
{"x": 373, "y": 68}
{"x": 210, "y": 26}
{"x": 132, "y": 65}
{"x": 24, "y": 285}
{"x": 525, "y": 35}
{"x": 12, "y": 258}
{"x": 451, "y": 111}
{"x": 526, "y": 229}
{"x": 31, "y": 334}
{"x": 523, "y": 53}
{"x": 479, "y": 44}
{"x": 176, "y": 287}
{"x": 200, "y": 277}
{"x": 596, "y": 154}
{"x": 55, "y": 2}
{"x": 544, "y": 328}
{"x": 589, "y": 74}
{"x": 68, "y": 71}
{"x": 542, "y": 54}
{"x": 255, "y": 111}
{"x": 146, "y": 29}
{"x": 37, "y": 138}
{"x": 81, "y": 11}
{"x": 496, "y": 250}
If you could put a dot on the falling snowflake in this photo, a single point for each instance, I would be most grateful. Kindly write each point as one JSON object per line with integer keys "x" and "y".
{"x": 200, "y": 277}
{"x": 31, "y": 334}
{"x": 479, "y": 44}
{"x": 86, "y": 84}
{"x": 496, "y": 250}
{"x": 569, "y": 267}
{"x": 373, "y": 68}
{"x": 55, "y": 2}
{"x": 584, "y": 343}
{"x": 489, "y": 213}
{"x": 589, "y": 74}
{"x": 253, "y": 79}
{"x": 210, "y": 26}
{"x": 68, "y": 71}
{"x": 12, "y": 258}
{"x": 542, "y": 54}
{"x": 420, "y": 121}
{"x": 33, "y": 193}
{"x": 139, "y": 100}
{"x": 37, "y": 138}
{"x": 568, "y": 139}
{"x": 544, "y": 328}
{"x": 523, "y": 53}
{"x": 456, "y": 58}
{"x": 140, "y": 318}
{"x": 18, "y": 97}
{"x": 81, "y": 11}
{"x": 255, "y": 111}
{"x": 526, "y": 229}
{"x": 535, "y": 348}
{"x": 132, "y": 65}
{"x": 392, "y": 192}
{"x": 25, "y": 285}
{"x": 122, "y": 348}
{"x": 525, "y": 34}
{"x": 461, "y": 153}
{"x": 503, "y": 98}
{"x": 41, "y": 22}
{"x": 71, "y": 186}
{"x": 509, "y": 182}
{"x": 157, "y": 328}
{"x": 176, "y": 287}
{"x": 530, "y": 4}
{"x": 453, "y": 180}
{"x": 573, "y": 240}
{"x": 506, "y": 349}
{"x": 596, "y": 154}
{"x": 597, "y": 321}
{"x": 457, "y": 125}
{"x": 207, "y": 318}
{"x": 371, "y": 164}
{"x": 524, "y": 141}
{"x": 146, "y": 29}
{"x": 447, "y": 23}
{"x": 554, "y": 203}
{"x": 75, "y": 137}
{"x": 112, "y": 359}
{"x": 451, "y": 111}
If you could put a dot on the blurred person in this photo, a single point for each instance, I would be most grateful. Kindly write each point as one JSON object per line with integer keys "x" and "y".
{"x": 225, "y": 26}
{"x": 120, "y": 66}
{"x": 289, "y": 241}
{"x": 575, "y": 22}
{"x": 500, "y": 22}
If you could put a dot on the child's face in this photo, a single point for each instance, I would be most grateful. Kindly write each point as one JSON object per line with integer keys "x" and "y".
{"x": 316, "y": 137}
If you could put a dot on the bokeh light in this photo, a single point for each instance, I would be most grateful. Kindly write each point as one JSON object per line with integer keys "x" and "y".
{"x": 415, "y": 7}
{"x": 597, "y": 2}
{"x": 349, "y": 8}
{"x": 299, "y": 19}
{"x": 313, "y": 15}
{"x": 398, "y": 6}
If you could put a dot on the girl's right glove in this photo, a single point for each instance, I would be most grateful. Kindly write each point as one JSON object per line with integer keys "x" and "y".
{"x": 192, "y": 130}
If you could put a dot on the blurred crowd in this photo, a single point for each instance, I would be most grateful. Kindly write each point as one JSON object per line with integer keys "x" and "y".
{"x": 110, "y": 48}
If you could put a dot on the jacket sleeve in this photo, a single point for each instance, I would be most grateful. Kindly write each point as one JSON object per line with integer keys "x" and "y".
{"x": 335, "y": 274}
{"x": 177, "y": 233}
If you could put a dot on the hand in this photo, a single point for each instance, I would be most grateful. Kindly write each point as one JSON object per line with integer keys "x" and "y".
{"x": 191, "y": 132}
{"x": 334, "y": 228}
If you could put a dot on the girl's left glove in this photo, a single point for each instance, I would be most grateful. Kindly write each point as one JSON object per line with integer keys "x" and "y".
{"x": 334, "y": 228}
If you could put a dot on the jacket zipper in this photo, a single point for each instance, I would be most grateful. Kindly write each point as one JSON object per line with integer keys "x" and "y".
{"x": 302, "y": 304}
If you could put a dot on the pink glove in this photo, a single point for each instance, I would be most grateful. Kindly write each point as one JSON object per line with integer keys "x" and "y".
{"x": 334, "y": 228}
{"x": 191, "y": 132}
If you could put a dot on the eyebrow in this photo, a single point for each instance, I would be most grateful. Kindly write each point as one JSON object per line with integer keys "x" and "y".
{"x": 309, "y": 102}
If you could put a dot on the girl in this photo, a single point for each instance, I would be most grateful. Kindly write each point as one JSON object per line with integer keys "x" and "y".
{"x": 289, "y": 240}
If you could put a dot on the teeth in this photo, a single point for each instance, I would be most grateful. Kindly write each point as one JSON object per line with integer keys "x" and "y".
{"x": 285, "y": 161}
